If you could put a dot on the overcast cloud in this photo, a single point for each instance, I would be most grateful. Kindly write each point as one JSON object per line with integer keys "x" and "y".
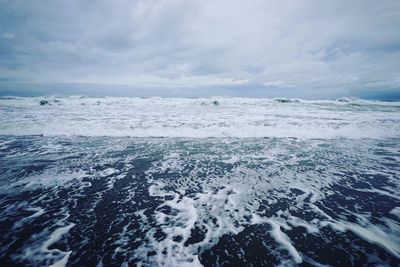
{"x": 187, "y": 47}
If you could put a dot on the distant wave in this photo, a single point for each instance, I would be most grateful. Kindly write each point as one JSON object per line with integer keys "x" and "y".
{"x": 199, "y": 117}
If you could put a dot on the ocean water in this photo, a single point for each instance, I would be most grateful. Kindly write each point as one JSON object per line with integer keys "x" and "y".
{"x": 199, "y": 182}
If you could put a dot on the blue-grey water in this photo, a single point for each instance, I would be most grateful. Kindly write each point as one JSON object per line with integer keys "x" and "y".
{"x": 191, "y": 182}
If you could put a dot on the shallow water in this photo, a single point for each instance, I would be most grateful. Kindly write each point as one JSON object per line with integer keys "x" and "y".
{"x": 106, "y": 200}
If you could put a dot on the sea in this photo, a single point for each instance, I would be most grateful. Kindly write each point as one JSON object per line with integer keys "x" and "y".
{"x": 218, "y": 181}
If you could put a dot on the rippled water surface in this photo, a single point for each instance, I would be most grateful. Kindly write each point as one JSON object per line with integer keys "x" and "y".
{"x": 175, "y": 182}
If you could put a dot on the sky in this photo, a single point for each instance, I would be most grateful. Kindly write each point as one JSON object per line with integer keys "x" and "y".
{"x": 296, "y": 48}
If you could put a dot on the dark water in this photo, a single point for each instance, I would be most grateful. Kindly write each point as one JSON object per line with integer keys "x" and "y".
{"x": 106, "y": 201}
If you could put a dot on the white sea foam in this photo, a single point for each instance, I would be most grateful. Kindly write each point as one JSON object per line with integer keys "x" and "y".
{"x": 228, "y": 202}
{"x": 199, "y": 118}
{"x": 63, "y": 262}
{"x": 55, "y": 237}
{"x": 40, "y": 254}
{"x": 284, "y": 240}
{"x": 38, "y": 212}
{"x": 396, "y": 212}
{"x": 49, "y": 179}
{"x": 388, "y": 239}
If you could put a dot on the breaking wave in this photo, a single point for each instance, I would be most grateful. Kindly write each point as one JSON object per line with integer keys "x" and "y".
{"x": 199, "y": 118}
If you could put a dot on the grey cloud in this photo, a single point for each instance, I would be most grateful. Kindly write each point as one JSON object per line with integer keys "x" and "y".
{"x": 308, "y": 46}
